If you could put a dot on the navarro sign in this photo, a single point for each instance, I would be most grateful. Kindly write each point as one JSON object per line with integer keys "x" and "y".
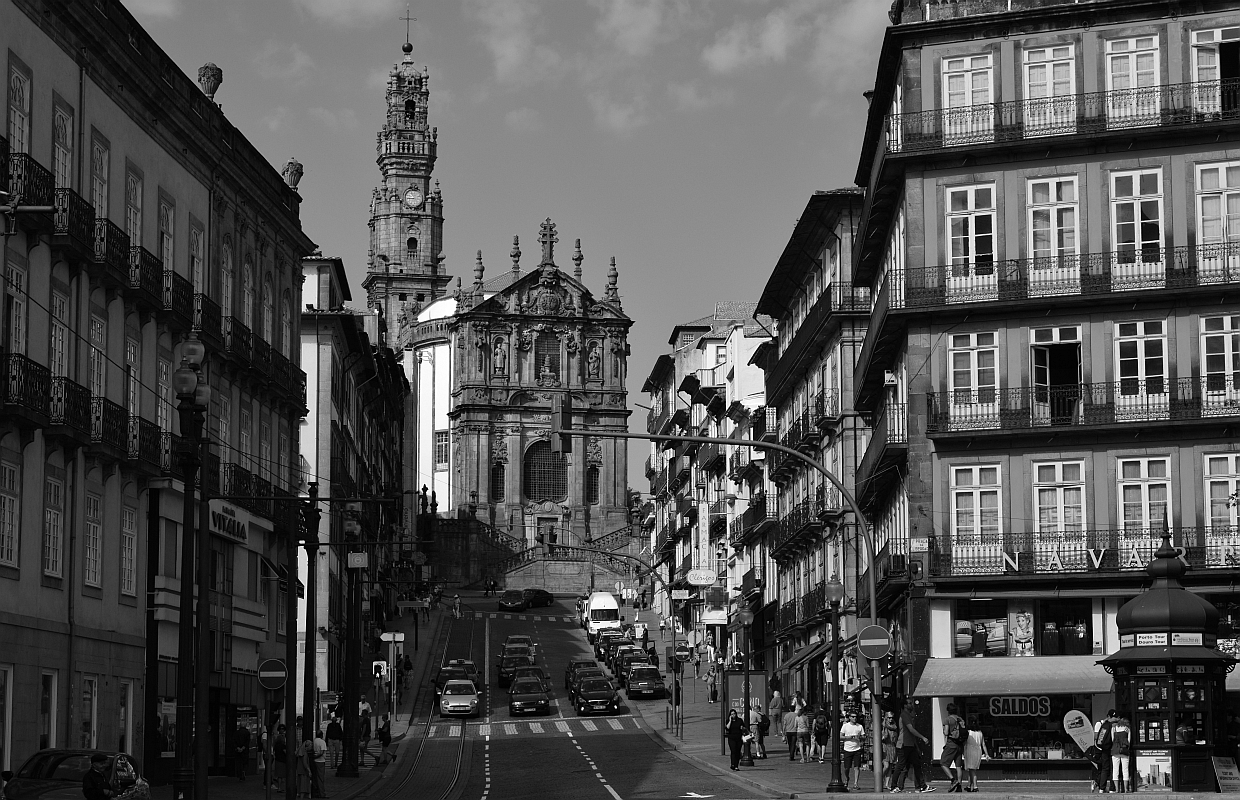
{"x": 1033, "y": 706}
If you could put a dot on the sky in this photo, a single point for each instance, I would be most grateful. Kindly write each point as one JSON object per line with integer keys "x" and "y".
{"x": 682, "y": 137}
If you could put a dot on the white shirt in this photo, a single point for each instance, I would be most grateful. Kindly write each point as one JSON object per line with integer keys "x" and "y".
{"x": 851, "y": 733}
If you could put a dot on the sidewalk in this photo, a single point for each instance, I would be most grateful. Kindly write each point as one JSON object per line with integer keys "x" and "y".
{"x": 779, "y": 776}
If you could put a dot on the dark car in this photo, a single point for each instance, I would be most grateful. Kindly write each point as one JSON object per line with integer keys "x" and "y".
{"x": 644, "y": 680}
{"x": 585, "y": 674}
{"x": 604, "y": 636}
{"x": 613, "y": 645}
{"x": 628, "y": 662}
{"x": 510, "y": 650}
{"x": 471, "y": 669}
{"x": 573, "y": 666}
{"x": 537, "y": 673}
{"x": 528, "y": 697}
{"x": 618, "y": 655}
{"x": 512, "y": 600}
{"x": 59, "y": 773}
{"x": 537, "y": 597}
{"x": 509, "y": 665}
{"x": 520, "y": 639}
{"x": 596, "y": 696}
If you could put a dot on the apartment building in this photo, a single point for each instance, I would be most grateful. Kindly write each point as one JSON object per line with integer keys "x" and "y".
{"x": 807, "y": 527}
{"x": 1051, "y": 358}
{"x": 163, "y": 225}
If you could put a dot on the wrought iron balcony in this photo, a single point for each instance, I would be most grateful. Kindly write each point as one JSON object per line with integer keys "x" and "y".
{"x": 4, "y": 164}
{"x": 70, "y": 408}
{"x": 751, "y": 582}
{"x": 814, "y": 602}
{"x": 657, "y": 421}
{"x": 25, "y": 390}
{"x": 1123, "y": 402}
{"x": 736, "y": 533}
{"x": 686, "y": 506}
{"x": 738, "y": 463}
{"x": 208, "y": 323}
{"x": 888, "y": 446}
{"x": 260, "y": 363}
{"x": 238, "y": 481}
{"x": 111, "y": 252}
{"x": 658, "y": 486}
{"x": 170, "y": 454}
{"x": 261, "y": 487}
{"x": 237, "y": 340}
{"x": 892, "y": 561}
{"x": 74, "y": 226}
{"x": 1118, "y": 110}
{"x": 1078, "y": 551}
{"x": 109, "y": 426}
{"x": 32, "y": 184}
{"x": 788, "y": 614}
{"x": 765, "y": 425}
{"x": 710, "y": 457}
{"x": 650, "y": 470}
{"x": 210, "y": 474}
{"x": 146, "y": 278}
{"x": 281, "y": 369}
{"x": 143, "y": 443}
{"x": 178, "y": 300}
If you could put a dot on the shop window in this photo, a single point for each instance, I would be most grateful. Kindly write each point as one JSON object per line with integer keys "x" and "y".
{"x": 1026, "y": 727}
{"x": 990, "y": 628}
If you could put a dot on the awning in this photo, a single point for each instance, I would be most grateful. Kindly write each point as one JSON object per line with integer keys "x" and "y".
{"x": 975, "y": 677}
{"x": 806, "y": 653}
{"x": 714, "y": 616}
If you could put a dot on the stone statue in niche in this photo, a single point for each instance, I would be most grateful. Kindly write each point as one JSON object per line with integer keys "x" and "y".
{"x": 499, "y": 356}
{"x": 546, "y": 375}
{"x": 594, "y": 361}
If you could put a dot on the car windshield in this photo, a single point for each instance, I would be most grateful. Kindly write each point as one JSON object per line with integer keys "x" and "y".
{"x": 648, "y": 674}
{"x": 451, "y": 674}
{"x": 59, "y": 767}
{"x": 517, "y": 661}
{"x": 595, "y": 686}
{"x": 589, "y": 673}
{"x": 604, "y": 614}
{"x": 459, "y": 688}
{"x": 513, "y": 594}
{"x": 518, "y": 640}
{"x": 527, "y": 687}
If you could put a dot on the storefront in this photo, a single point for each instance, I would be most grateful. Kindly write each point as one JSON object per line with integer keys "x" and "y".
{"x": 1019, "y": 704}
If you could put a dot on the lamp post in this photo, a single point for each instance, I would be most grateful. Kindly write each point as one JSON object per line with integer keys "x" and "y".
{"x": 835, "y": 595}
{"x": 309, "y": 693}
{"x": 193, "y": 396}
{"x": 744, "y": 617}
{"x": 352, "y": 657}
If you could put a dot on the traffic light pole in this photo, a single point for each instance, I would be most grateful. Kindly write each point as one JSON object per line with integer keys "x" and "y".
{"x": 561, "y": 433}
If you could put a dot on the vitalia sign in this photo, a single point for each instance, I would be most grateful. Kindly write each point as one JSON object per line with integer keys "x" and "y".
{"x": 1032, "y": 706}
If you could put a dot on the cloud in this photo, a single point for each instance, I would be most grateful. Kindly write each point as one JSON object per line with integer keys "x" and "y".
{"x": 618, "y": 117}
{"x": 523, "y": 120}
{"x": 352, "y": 13}
{"x": 636, "y": 26}
{"x": 154, "y": 8}
{"x": 509, "y": 30}
{"x": 844, "y": 52}
{"x": 283, "y": 62}
{"x": 689, "y": 97}
{"x": 760, "y": 42}
{"x": 342, "y": 120}
{"x": 277, "y": 118}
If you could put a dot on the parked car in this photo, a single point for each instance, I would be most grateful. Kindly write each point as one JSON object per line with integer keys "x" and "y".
{"x": 604, "y": 636}
{"x": 618, "y": 655}
{"x": 628, "y": 662}
{"x": 528, "y": 697}
{"x": 537, "y": 673}
{"x": 585, "y": 674}
{"x": 512, "y": 600}
{"x": 612, "y": 646}
{"x": 537, "y": 597}
{"x": 459, "y": 698}
{"x": 573, "y": 666}
{"x": 595, "y": 695}
{"x": 644, "y": 680}
{"x": 58, "y": 774}
{"x": 509, "y": 665}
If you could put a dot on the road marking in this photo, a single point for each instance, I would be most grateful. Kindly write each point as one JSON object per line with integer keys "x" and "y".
{"x": 484, "y": 730}
{"x": 637, "y": 723}
{"x": 431, "y": 733}
{"x": 561, "y": 726}
{"x": 607, "y": 786}
{"x": 508, "y": 616}
{"x": 589, "y": 725}
{"x": 536, "y": 727}
{"x": 510, "y": 729}
{"x": 521, "y": 617}
{"x": 536, "y": 619}
{"x": 486, "y": 661}
{"x": 454, "y": 731}
{"x": 615, "y": 724}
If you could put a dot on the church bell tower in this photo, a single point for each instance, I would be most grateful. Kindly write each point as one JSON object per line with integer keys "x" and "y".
{"x": 404, "y": 270}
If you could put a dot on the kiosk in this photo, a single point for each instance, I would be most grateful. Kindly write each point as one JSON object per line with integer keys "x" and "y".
{"x": 1170, "y": 679}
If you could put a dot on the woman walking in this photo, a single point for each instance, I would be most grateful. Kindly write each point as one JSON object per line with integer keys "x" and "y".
{"x": 712, "y": 680}
{"x": 735, "y": 729}
{"x": 803, "y": 725}
{"x": 974, "y": 752}
{"x": 776, "y": 713}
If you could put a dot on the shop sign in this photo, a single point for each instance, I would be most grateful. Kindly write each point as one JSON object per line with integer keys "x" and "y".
{"x": 1148, "y": 639}
{"x": 1152, "y": 669}
{"x": 1128, "y": 640}
{"x": 1227, "y": 774}
{"x": 1128, "y": 557}
{"x": 1191, "y": 669}
{"x": 1031, "y": 706}
{"x": 1186, "y": 639}
{"x": 229, "y": 521}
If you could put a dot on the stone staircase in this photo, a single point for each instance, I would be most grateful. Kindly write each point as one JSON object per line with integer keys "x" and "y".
{"x": 563, "y": 569}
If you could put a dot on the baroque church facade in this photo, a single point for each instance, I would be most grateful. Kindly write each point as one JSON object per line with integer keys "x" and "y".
{"x": 485, "y": 362}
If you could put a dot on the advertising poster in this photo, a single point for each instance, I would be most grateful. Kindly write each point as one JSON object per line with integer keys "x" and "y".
{"x": 167, "y": 729}
{"x": 1078, "y": 726}
{"x": 1153, "y": 771}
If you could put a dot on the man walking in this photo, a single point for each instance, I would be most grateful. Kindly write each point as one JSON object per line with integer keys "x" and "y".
{"x": 241, "y": 750}
{"x": 908, "y": 753}
{"x": 1103, "y": 741}
{"x": 335, "y": 743}
{"x": 789, "y": 726}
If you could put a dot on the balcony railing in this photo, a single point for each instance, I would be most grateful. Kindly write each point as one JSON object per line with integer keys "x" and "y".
{"x": 752, "y": 580}
{"x": 261, "y": 361}
{"x": 659, "y": 485}
{"x": 655, "y": 421}
{"x": 74, "y": 223}
{"x": 1172, "y": 106}
{"x": 788, "y": 614}
{"x": 281, "y": 369}
{"x": 237, "y": 340}
{"x": 4, "y": 164}
{"x": 1086, "y": 404}
{"x": 738, "y": 462}
{"x": 178, "y": 299}
{"x": 1086, "y": 274}
{"x": 30, "y": 181}
{"x": 109, "y": 424}
{"x": 709, "y": 456}
{"x": 814, "y": 602}
{"x": 1079, "y": 551}
{"x": 207, "y": 319}
{"x": 112, "y": 251}
{"x": 237, "y": 481}
{"x": 736, "y": 532}
{"x": 70, "y": 405}
{"x": 143, "y": 441}
{"x": 765, "y": 425}
{"x": 146, "y": 277}
{"x": 171, "y": 454}
{"x": 27, "y": 383}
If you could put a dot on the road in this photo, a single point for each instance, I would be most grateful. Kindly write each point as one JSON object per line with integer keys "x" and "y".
{"x": 557, "y": 756}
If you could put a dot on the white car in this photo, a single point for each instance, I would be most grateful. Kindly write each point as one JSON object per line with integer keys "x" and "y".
{"x": 459, "y": 698}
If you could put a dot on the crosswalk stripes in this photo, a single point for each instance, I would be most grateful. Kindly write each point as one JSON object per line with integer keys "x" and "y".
{"x": 494, "y": 615}
{"x": 430, "y": 734}
{"x": 455, "y": 730}
{"x": 484, "y": 730}
{"x": 562, "y": 726}
{"x": 510, "y": 729}
{"x": 615, "y": 724}
{"x": 536, "y": 727}
{"x": 588, "y": 725}
{"x": 498, "y": 729}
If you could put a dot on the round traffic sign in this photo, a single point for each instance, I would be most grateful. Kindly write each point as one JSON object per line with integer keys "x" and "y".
{"x": 874, "y": 642}
{"x": 272, "y": 674}
{"x": 683, "y": 653}
{"x": 419, "y": 558}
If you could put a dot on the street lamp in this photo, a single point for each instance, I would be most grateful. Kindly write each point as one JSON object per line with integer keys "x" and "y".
{"x": 744, "y": 617}
{"x": 835, "y": 595}
{"x": 193, "y": 396}
{"x": 348, "y": 767}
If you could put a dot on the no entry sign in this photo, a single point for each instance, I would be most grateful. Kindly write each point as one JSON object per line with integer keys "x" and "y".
{"x": 272, "y": 674}
{"x": 874, "y": 642}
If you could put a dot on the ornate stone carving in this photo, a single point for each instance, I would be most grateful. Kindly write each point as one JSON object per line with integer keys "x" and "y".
{"x": 546, "y": 375}
{"x": 499, "y": 356}
{"x": 499, "y": 450}
{"x": 594, "y": 451}
{"x": 594, "y": 360}
{"x": 209, "y": 78}
{"x": 292, "y": 172}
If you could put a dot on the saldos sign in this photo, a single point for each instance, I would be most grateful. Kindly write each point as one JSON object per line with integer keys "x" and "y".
{"x": 1030, "y": 706}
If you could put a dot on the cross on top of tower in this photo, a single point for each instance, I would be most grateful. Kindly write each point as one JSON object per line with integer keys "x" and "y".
{"x": 408, "y": 46}
{"x": 548, "y": 238}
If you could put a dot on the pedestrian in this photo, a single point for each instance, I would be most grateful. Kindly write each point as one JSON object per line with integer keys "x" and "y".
{"x": 852, "y": 735}
{"x": 974, "y": 751}
{"x": 822, "y": 732}
{"x": 456, "y": 606}
{"x": 712, "y": 680}
{"x": 955, "y": 732}
{"x": 1102, "y": 742}
{"x": 798, "y": 701}
{"x": 697, "y": 662}
{"x": 758, "y": 726}
{"x": 776, "y": 712}
{"x": 1121, "y": 744}
{"x": 318, "y": 761}
{"x": 735, "y": 729}
{"x": 363, "y": 735}
{"x": 889, "y": 744}
{"x": 384, "y": 735}
{"x": 802, "y": 725}
{"x": 653, "y": 656}
{"x": 335, "y": 743}
{"x": 408, "y": 670}
{"x": 279, "y": 754}
{"x": 645, "y": 636}
{"x": 241, "y": 750}
{"x": 908, "y": 754}
{"x": 789, "y": 726}
{"x": 662, "y": 628}
{"x": 305, "y": 754}
{"x": 95, "y": 784}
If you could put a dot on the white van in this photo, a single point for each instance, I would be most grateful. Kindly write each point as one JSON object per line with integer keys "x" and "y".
{"x": 601, "y": 612}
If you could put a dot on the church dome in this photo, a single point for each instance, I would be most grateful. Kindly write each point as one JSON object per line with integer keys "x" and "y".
{"x": 1167, "y": 607}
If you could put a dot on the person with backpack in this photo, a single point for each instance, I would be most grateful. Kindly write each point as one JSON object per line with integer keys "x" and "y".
{"x": 1121, "y": 746}
{"x": 1102, "y": 756}
{"x": 822, "y": 734}
{"x": 758, "y": 726}
{"x": 955, "y": 734}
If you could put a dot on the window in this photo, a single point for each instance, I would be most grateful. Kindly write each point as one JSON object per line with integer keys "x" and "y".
{"x": 547, "y": 355}
{"x": 53, "y": 526}
{"x": 58, "y": 346}
{"x": 1220, "y": 355}
{"x": 124, "y": 722}
{"x": 225, "y": 423}
{"x": 226, "y": 280}
{"x": 163, "y": 387}
{"x": 264, "y": 448}
{"x": 496, "y": 494}
{"x": 1141, "y": 361}
{"x": 721, "y": 354}
{"x": 195, "y": 261}
{"x": 1222, "y": 481}
{"x": 967, "y": 97}
{"x": 1136, "y": 215}
{"x": 1218, "y": 221}
{"x": 971, "y": 230}
{"x": 129, "y": 551}
{"x": 133, "y": 376}
{"x": 87, "y": 712}
{"x": 133, "y": 208}
{"x": 47, "y": 709}
{"x": 267, "y": 326}
{"x": 1052, "y": 218}
{"x": 10, "y": 513}
{"x": 98, "y": 358}
{"x": 15, "y": 304}
{"x": 166, "y": 220}
{"x": 1050, "y": 90}
{"x": 286, "y": 327}
{"x": 281, "y": 476}
{"x": 1144, "y": 494}
{"x": 544, "y": 475}
{"x": 443, "y": 450}
{"x": 1132, "y": 82}
{"x": 976, "y": 503}
{"x": 974, "y": 358}
{"x": 6, "y": 716}
{"x": 592, "y": 485}
{"x": 92, "y": 544}
{"x": 100, "y": 156}
{"x": 62, "y": 147}
{"x": 247, "y": 294}
{"x": 1059, "y": 496}
{"x": 243, "y": 432}
{"x": 19, "y": 110}
{"x": 686, "y": 337}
